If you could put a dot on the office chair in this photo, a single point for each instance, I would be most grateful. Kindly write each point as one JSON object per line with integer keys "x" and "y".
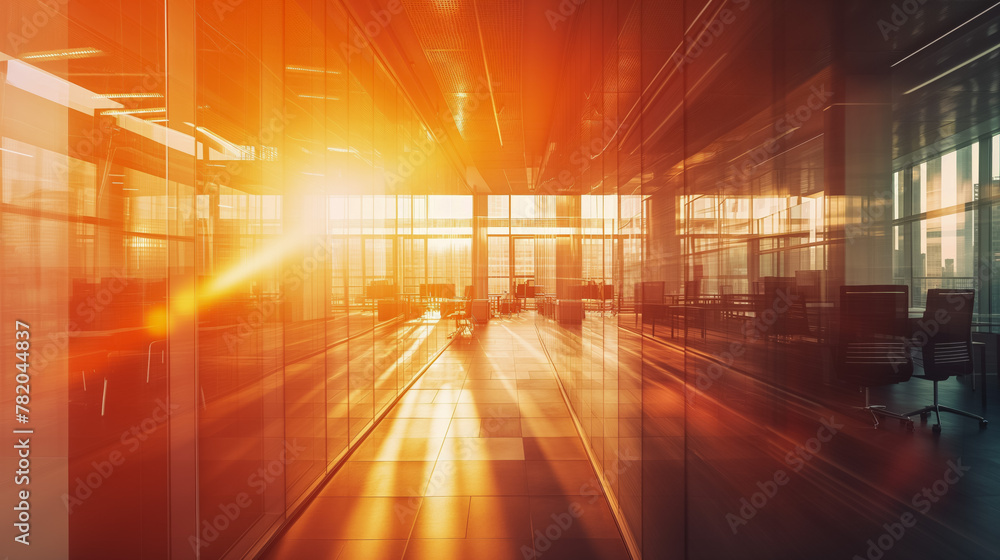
{"x": 464, "y": 325}
{"x": 948, "y": 351}
{"x": 872, "y": 349}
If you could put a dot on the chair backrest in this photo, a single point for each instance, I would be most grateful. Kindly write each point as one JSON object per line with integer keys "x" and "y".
{"x": 945, "y": 331}
{"x": 780, "y": 300}
{"x": 873, "y": 344}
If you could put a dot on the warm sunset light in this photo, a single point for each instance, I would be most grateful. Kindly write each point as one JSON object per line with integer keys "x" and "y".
{"x": 499, "y": 279}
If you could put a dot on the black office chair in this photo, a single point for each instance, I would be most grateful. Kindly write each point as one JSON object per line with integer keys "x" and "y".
{"x": 872, "y": 348}
{"x": 948, "y": 351}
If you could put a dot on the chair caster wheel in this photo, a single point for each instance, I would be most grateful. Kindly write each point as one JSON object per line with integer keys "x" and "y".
{"x": 936, "y": 429}
{"x": 984, "y": 423}
{"x": 924, "y": 416}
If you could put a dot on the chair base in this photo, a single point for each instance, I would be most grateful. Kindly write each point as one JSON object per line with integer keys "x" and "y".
{"x": 937, "y": 409}
{"x": 877, "y": 410}
{"x": 464, "y": 325}
{"x": 926, "y": 411}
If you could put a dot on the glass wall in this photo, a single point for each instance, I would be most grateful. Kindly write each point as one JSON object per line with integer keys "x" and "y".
{"x": 726, "y": 167}
{"x": 939, "y": 223}
{"x": 942, "y": 200}
{"x": 216, "y": 220}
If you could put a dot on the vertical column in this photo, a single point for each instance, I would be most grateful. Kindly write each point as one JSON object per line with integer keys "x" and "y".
{"x": 181, "y": 297}
{"x": 858, "y": 153}
{"x": 36, "y": 269}
{"x": 984, "y": 220}
{"x": 905, "y": 200}
{"x": 272, "y": 106}
{"x": 569, "y": 248}
{"x": 480, "y": 247}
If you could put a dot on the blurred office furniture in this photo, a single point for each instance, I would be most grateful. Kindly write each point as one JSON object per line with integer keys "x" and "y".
{"x": 388, "y": 309}
{"x": 726, "y": 301}
{"x": 569, "y": 311}
{"x": 601, "y": 294}
{"x": 381, "y": 290}
{"x": 463, "y": 317}
{"x": 437, "y": 291}
{"x": 520, "y": 294}
{"x": 548, "y": 305}
{"x": 873, "y": 346}
{"x": 384, "y": 294}
{"x": 412, "y": 306}
{"x": 480, "y": 311}
{"x": 781, "y": 300}
{"x": 947, "y": 328}
{"x": 649, "y": 303}
{"x": 811, "y": 284}
{"x": 440, "y": 297}
{"x": 494, "y": 300}
{"x": 526, "y": 290}
{"x": 508, "y": 305}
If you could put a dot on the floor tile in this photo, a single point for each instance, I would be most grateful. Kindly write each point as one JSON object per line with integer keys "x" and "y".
{"x": 400, "y": 478}
{"x": 296, "y": 549}
{"x": 547, "y": 427}
{"x": 553, "y": 448}
{"x": 561, "y": 478}
{"x": 476, "y": 461}
{"x": 345, "y": 518}
{"x": 578, "y": 517}
{"x": 467, "y": 549}
{"x": 442, "y": 518}
{"x": 478, "y": 478}
{"x": 399, "y": 449}
{"x": 371, "y": 550}
{"x": 482, "y": 449}
{"x": 492, "y": 517}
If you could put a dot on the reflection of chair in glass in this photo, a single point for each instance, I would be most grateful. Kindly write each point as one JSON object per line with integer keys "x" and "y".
{"x": 947, "y": 324}
{"x": 781, "y": 307}
{"x": 464, "y": 324}
{"x": 873, "y": 349}
{"x": 506, "y": 305}
{"x": 515, "y": 305}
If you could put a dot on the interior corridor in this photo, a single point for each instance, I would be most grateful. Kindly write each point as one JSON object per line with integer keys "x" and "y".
{"x": 479, "y": 459}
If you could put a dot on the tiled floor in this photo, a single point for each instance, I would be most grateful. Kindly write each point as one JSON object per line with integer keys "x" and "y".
{"x": 480, "y": 459}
